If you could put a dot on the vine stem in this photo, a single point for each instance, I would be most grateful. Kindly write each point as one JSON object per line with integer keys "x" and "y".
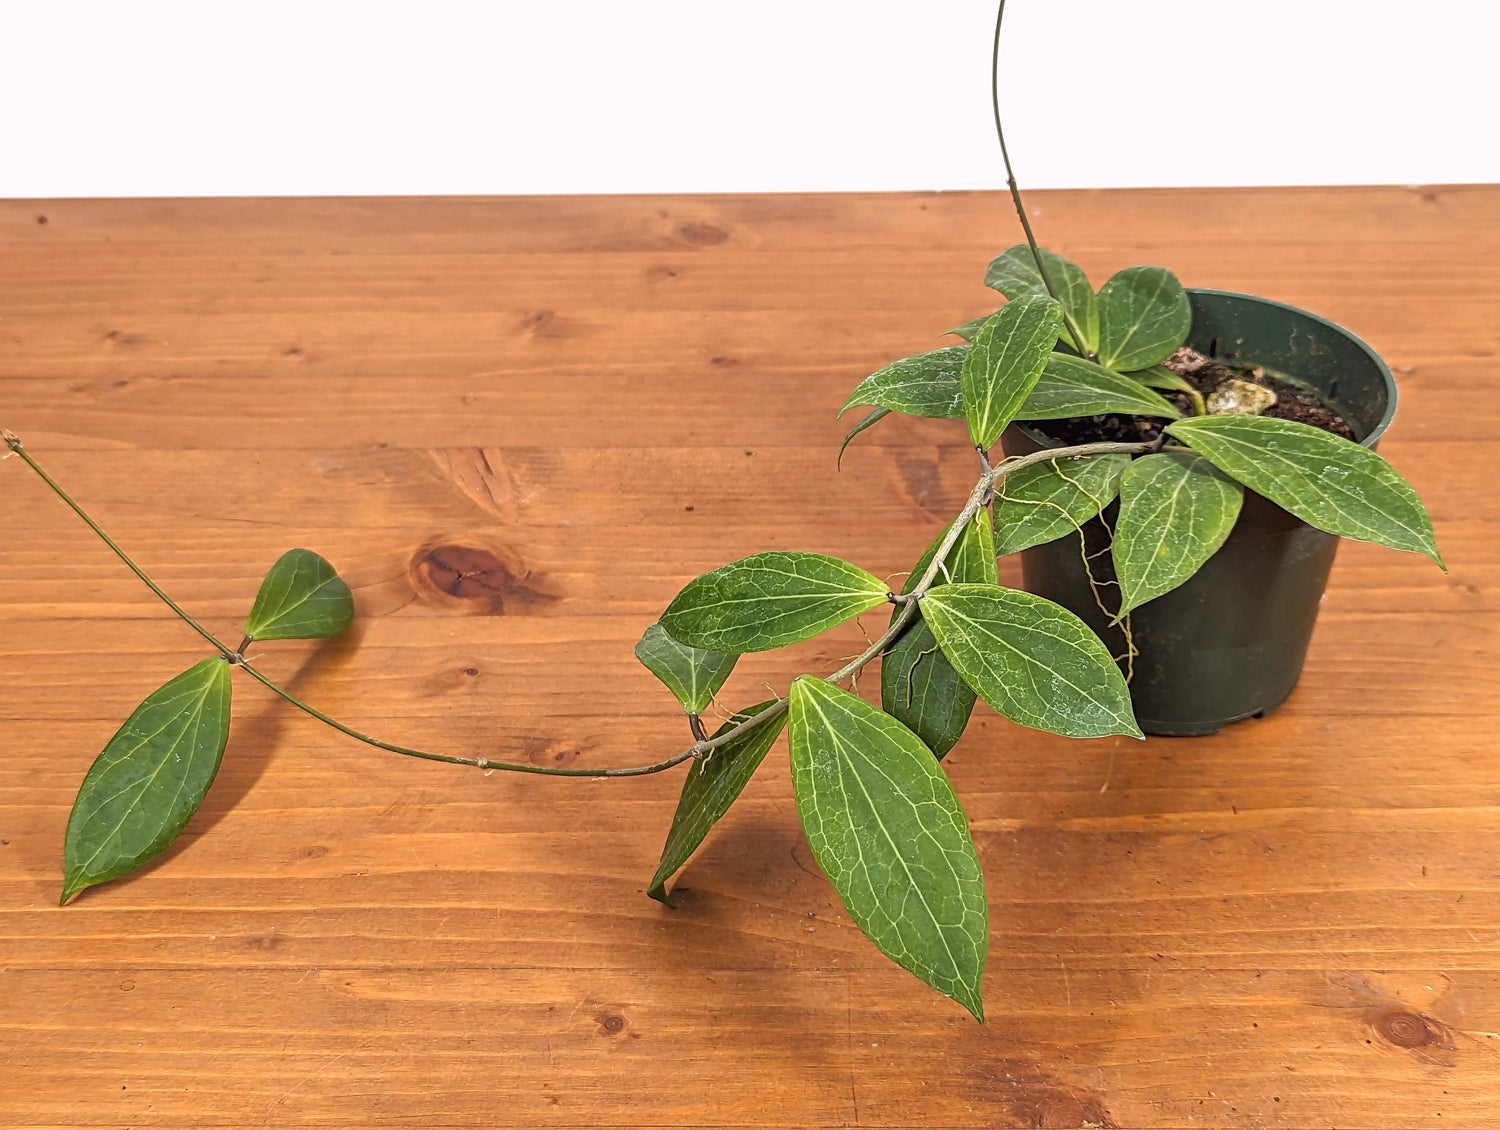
{"x": 978, "y": 497}
{"x": 1015, "y": 191}
{"x": 13, "y": 442}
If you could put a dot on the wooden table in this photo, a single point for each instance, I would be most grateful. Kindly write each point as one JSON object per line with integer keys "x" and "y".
{"x": 518, "y": 426}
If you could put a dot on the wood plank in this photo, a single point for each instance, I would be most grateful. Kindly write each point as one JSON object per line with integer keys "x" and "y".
{"x": 1296, "y": 923}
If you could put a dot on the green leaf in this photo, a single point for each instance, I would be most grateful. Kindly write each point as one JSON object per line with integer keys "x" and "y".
{"x": 692, "y": 674}
{"x": 1004, "y": 363}
{"x": 713, "y": 784}
{"x": 1176, "y": 509}
{"x": 918, "y": 686}
{"x": 1031, "y": 660}
{"x": 868, "y": 421}
{"x": 970, "y": 330}
{"x": 922, "y": 691}
{"x": 1159, "y": 376}
{"x": 1144, "y": 315}
{"x": 142, "y": 790}
{"x": 1045, "y": 501}
{"x": 302, "y": 598}
{"x": 1327, "y": 481}
{"x": 886, "y": 828}
{"x": 770, "y": 600}
{"x": 1013, "y": 273}
{"x": 1070, "y": 386}
{"x": 927, "y": 384}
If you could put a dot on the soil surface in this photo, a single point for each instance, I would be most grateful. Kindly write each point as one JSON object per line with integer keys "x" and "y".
{"x": 1206, "y": 375}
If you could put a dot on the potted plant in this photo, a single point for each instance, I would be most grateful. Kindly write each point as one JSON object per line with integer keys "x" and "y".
{"x": 1169, "y": 520}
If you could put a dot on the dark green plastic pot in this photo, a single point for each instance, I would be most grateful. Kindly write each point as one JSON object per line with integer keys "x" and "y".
{"x": 1229, "y": 643}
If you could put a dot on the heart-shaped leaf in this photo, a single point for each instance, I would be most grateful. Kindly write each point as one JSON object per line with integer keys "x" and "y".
{"x": 868, "y": 421}
{"x": 713, "y": 783}
{"x": 1014, "y": 274}
{"x": 1144, "y": 315}
{"x": 302, "y": 598}
{"x": 1327, "y": 481}
{"x": 928, "y": 384}
{"x": 1070, "y": 386}
{"x": 1004, "y": 363}
{"x": 1045, "y": 501}
{"x": 888, "y": 831}
{"x": 1176, "y": 509}
{"x": 770, "y": 600}
{"x": 692, "y": 674}
{"x": 149, "y": 780}
{"x": 918, "y": 686}
{"x": 1031, "y": 660}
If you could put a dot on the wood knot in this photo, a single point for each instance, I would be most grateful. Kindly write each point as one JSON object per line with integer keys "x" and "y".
{"x": 547, "y": 752}
{"x": 610, "y": 1024}
{"x": 539, "y": 321}
{"x": 1406, "y": 1029}
{"x": 702, "y": 235}
{"x": 476, "y": 578}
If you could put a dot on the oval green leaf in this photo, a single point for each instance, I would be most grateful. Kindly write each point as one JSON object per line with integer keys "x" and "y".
{"x": 692, "y": 674}
{"x": 1014, "y": 274}
{"x": 149, "y": 780}
{"x": 1045, "y": 501}
{"x": 1004, "y": 363}
{"x": 1327, "y": 481}
{"x": 302, "y": 598}
{"x": 886, "y": 828}
{"x": 918, "y": 686}
{"x": 1031, "y": 660}
{"x": 927, "y": 384}
{"x": 713, "y": 783}
{"x": 1070, "y": 386}
{"x": 770, "y": 600}
{"x": 1176, "y": 509}
{"x": 1144, "y": 315}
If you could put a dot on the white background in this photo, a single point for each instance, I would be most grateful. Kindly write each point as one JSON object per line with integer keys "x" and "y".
{"x": 559, "y": 96}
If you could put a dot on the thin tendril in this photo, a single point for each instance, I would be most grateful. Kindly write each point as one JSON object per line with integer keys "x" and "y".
{"x": 1015, "y": 191}
{"x": 983, "y": 489}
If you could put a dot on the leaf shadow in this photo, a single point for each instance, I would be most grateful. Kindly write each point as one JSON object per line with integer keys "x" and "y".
{"x": 254, "y": 745}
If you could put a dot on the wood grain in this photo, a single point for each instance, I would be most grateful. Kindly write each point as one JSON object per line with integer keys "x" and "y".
{"x": 588, "y": 401}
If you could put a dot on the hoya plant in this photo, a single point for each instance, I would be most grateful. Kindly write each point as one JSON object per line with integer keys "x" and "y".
{"x": 879, "y": 813}
{"x": 874, "y": 801}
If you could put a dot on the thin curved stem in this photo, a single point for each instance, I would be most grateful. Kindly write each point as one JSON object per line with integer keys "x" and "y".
{"x": 13, "y": 442}
{"x": 694, "y": 750}
{"x": 983, "y": 490}
{"x": 1015, "y": 191}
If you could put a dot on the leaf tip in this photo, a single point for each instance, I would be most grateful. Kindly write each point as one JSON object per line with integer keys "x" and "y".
{"x": 972, "y": 1002}
{"x": 72, "y": 884}
{"x": 658, "y": 891}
